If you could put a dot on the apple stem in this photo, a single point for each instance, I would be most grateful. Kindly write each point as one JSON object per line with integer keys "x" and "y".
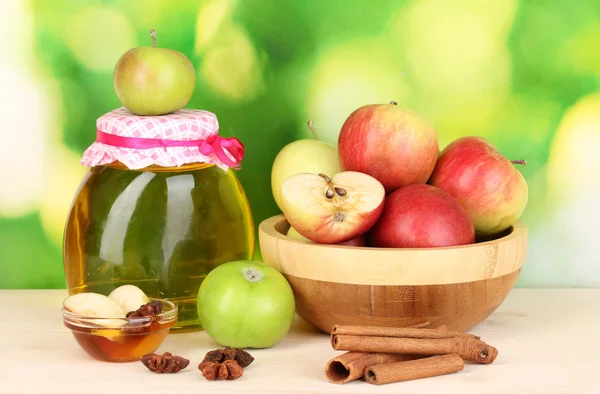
{"x": 313, "y": 129}
{"x": 328, "y": 179}
{"x": 522, "y": 162}
{"x": 393, "y": 103}
{"x": 153, "y": 35}
{"x": 252, "y": 275}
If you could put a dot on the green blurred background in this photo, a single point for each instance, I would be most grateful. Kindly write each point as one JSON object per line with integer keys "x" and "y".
{"x": 523, "y": 73}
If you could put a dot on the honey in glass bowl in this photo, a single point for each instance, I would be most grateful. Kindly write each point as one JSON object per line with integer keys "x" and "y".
{"x": 158, "y": 224}
{"x": 121, "y": 340}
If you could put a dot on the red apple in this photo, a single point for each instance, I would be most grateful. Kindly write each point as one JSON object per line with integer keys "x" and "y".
{"x": 332, "y": 210}
{"x": 360, "y": 241}
{"x": 395, "y": 145}
{"x": 422, "y": 216}
{"x": 482, "y": 180}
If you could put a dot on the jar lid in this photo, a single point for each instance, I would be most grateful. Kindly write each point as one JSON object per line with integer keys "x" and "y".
{"x": 185, "y": 136}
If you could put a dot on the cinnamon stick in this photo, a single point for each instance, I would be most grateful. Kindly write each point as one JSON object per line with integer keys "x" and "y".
{"x": 403, "y": 332}
{"x": 468, "y": 348}
{"x": 414, "y": 369}
{"x": 351, "y": 365}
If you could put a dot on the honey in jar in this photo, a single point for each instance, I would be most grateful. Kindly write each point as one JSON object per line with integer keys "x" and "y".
{"x": 159, "y": 208}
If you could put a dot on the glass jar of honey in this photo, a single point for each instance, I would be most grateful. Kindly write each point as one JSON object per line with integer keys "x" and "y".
{"x": 159, "y": 208}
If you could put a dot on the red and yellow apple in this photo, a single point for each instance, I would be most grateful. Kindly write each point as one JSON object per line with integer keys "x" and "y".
{"x": 332, "y": 210}
{"x": 484, "y": 182}
{"x": 395, "y": 145}
{"x": 421, "y": 216}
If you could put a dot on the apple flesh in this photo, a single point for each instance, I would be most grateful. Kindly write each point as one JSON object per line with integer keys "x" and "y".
{"x": 359, "y": 241}
{"x": 481, "y": 179}
{"x": 129, "y": 297}
{"x": 312, "y": 156}
{"x": 395, "y": 145}
{"x": 154, "y": 81}
{"x": 109, "y": 312}
{"x": 422, "y": 216}
{"x": 332, "y": 210}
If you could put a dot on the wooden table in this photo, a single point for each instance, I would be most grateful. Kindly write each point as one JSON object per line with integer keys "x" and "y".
{"x": 548, "y": 342}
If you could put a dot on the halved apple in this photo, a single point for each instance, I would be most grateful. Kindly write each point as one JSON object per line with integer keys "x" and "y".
{"x": 332, "y": 210}
{"x": 360, "y": 241}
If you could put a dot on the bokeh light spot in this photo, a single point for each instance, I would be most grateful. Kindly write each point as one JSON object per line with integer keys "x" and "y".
{"x": 150, "y": 13}
{"x": 211, "y": 17}
{"x": 457, "y": 55}
{"x": 98, "y": 36}
{"x": 347, "y": 76}
{"x": 16, "y": 27}
{"x": 25, "y": 118}
{"x": 232, "y": 69}
{"x": 574, "y": 162}
{"x": 62, "y": 176}
{"x": 581, "y": 50}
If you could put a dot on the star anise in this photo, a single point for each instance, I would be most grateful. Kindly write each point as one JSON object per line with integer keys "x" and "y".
{"x": 165, "y": 363}
{"x": 137, "y": 324}
{"x": 225, "y": 364}
{"x": 150, "y": 309}
{"x": 227, "y": 370}
{"x": 242, "y": 357}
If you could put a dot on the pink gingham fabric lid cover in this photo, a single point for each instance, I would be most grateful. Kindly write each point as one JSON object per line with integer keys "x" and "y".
{"x": 185, "y": 136}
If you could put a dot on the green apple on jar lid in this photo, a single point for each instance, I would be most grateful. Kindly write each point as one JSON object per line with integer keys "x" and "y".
{"x": 154, "y": 81}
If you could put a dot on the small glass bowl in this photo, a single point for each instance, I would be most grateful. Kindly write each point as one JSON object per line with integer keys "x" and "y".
{"x": 121, "y": 339}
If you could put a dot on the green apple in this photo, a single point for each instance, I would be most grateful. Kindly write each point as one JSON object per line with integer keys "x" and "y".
{"x": 154, "y": 81}
{"x": 293, "y": 233}
{"x": 300, "y": 156}
{"x": 246, "y": 304}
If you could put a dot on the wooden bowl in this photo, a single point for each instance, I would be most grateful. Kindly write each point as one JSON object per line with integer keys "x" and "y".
{"x": 458, "y": 287}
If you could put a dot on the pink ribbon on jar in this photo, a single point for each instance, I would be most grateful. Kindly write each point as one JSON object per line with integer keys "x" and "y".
{"x": 213, "y": 144}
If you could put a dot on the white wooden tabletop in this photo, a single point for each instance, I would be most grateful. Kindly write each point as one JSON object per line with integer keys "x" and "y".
{"x": 548, "y": 342}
